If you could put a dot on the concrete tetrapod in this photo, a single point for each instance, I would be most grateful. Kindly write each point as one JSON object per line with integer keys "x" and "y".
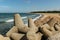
{"x": 4, "y": 38}
{"x": 18, "y": 20}
{"x": 1, "y": 37}
{"x": 57, "y": 27}
{"x": 52, "y": 22}
{"x": 54, "y": 37}
{"x": 20, "y": 24}
{"x": 46, "y": 32}
{"x": 49, "y": 33}
{"x": 32, "y": 25}
{"x": 55, "y": 19}
{"x": 39, "y": 36}
{"x": 39, "y": 22}
{"x": 16, "y": 36}
{"x": 58, "y": 19}
{"x": 46, "y": 25}
{"x": 14, "y": 29}
{"x": 31, "y": 34}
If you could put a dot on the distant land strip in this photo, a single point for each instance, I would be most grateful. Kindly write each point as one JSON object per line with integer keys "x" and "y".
{"x": 45, "y": 12}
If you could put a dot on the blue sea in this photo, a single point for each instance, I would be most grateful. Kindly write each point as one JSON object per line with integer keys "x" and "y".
{"x": 7, "y": 20}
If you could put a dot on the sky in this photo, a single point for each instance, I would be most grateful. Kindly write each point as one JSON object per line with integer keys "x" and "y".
{"x": 10, "y": 6}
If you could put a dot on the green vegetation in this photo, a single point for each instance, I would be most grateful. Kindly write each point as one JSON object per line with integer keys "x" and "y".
{"x": 45, "y": 12}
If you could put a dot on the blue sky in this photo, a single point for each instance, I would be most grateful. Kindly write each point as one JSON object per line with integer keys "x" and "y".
{"x": 28, "y": 5}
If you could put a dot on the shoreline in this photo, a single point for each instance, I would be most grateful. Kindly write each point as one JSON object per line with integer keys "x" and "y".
{"x": 44, "y": 25}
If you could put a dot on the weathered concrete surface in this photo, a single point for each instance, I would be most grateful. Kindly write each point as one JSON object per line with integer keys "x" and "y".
{"x": 17, "y": 36}
{"x": 20, "y": 24}
{"x": 14, "y": 29}
{"x": 31, "y": 34}
{"x": 54, "y": 37}
{"x": 32, "y": 26}
{"x": 42, "y": 20}
{"x": 46, "y": 32}
{"x": 4, "y": 38}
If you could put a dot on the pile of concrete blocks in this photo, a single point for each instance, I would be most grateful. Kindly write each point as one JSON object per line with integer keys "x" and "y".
{"x": 49, "y": 26}
{"x": 44, "y": 28}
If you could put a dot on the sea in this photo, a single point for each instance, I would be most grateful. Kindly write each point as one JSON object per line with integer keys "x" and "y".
{"x": 7, "y": 20}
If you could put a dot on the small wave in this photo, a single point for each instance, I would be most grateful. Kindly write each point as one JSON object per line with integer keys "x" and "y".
{"x": 10, "y": 20}
{"x": 37, "y": 17}
{"x": 24, "y": 17}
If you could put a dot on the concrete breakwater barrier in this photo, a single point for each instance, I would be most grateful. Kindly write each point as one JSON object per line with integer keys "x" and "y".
{"x": 44, "y": 28}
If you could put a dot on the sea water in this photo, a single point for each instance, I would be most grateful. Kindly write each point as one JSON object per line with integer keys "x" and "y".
{"x": 7, "y": 20}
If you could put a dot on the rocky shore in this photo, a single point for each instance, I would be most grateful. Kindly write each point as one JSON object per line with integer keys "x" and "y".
{"x": 44, "y": 28}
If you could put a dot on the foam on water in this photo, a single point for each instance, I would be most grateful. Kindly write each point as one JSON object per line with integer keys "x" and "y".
{"x": 37, "y": 18}
{"x": 24, "y": 19}
{"x": 10, "y": 20}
